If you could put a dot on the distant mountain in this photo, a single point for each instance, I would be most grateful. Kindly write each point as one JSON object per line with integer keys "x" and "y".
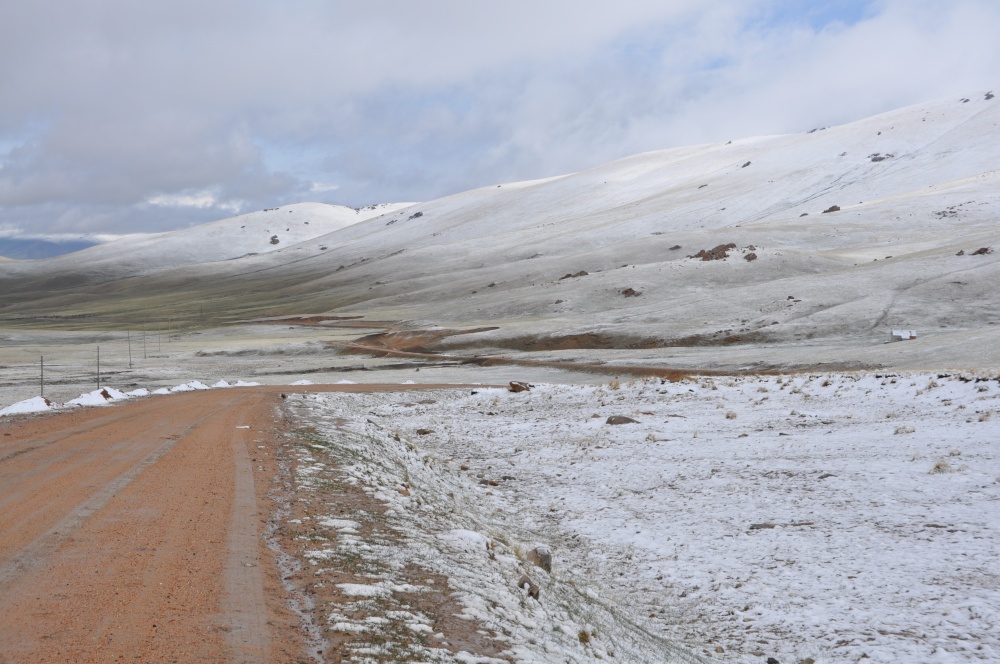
{"x": 33, "y": 248}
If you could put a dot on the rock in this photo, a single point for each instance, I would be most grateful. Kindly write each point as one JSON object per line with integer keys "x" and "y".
{"x": 771, "y": 660}
{"x": 675, "y": 247}
{"x": 982, "y": 251}
{"x": 750, "y": 257}
{"x": 526, "y": 582}
{"x": 720, "y": 649}
{"x": 718, "y": 253}
{"x": 284, "y": 396}
{"x": 581, "y": 273}
{"x": 541, "y": 556}
{"x": 620, "y": 419}
{"x": 761, "y": 526}
{"x": 832, "y": 208}
{"x": 518, "y": 386}
{"x": 807, "y": 660}
{"x": 463, "y": 467}
{"x": 961, "y": 252}
{"x": 274, "y": 239}
{"x": 745, "y": 165}
{"x": 424, "y": 432}
{"x": 631, "y": 292}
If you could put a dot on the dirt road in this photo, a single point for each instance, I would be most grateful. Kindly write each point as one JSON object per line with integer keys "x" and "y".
{"x": 132, "y": 533}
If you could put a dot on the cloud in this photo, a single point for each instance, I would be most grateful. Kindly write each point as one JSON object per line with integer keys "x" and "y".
{"x": 199, "y": 199}
{"x": 118, "y": 116}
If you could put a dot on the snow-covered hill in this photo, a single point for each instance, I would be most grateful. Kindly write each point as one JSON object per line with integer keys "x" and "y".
{"x": 245, "y": 235}
{"x": 840, "y": 234}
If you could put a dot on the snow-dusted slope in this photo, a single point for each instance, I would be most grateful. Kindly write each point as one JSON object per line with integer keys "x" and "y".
{"x": 248, "y": 234}
{"x": 917, "y": 185}
{"x": 854, "y": 230}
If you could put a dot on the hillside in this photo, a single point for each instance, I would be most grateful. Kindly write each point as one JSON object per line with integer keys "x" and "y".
{"x": 249, "y": 234}
{"x": 840, "y": 234}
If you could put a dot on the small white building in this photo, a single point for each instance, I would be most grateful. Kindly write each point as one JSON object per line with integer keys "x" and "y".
{"x": 902, "y": 335}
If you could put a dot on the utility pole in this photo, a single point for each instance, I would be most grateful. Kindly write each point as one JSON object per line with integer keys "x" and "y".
{"x": 128, "y": 336}
{"x": 41, "y": 365}
{"x": 98, "y": 367}
{"x": 144, "y": 338}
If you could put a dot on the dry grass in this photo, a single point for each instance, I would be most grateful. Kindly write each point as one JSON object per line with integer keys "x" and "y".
{"x": 904, "y": 428}
{"x": 941, "y": 467}
{"x": 730, "y": 415}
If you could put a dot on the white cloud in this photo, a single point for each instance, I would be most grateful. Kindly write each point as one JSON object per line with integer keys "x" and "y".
{"x": 201, "y": 199}
{"x": 124, "y": 116}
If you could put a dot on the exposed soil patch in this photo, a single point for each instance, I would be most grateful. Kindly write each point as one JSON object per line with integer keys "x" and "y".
{"x": 418, "y": 341}
{"x": 718, "y": 253}
{"x": 718, "y": 339}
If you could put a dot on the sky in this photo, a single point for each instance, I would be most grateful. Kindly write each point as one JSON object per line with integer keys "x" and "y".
{"x": 122, "y": 117}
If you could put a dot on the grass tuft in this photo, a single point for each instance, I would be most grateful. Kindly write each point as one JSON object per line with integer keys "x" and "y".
{"x": 941, "y": 467}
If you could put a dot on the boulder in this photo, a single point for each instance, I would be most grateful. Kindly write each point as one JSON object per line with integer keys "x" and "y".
{"x": 621, "y": 419}
{"x": 541, "y": 556}
{"x": 526, "y": 582}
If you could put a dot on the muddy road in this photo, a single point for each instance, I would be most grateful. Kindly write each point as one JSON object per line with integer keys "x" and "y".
{"x": 133, "y": 532}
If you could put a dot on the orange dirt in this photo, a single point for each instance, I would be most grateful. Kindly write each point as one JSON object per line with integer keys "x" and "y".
{"x": 133, "y": 533}
{"x": 419, "y": 341}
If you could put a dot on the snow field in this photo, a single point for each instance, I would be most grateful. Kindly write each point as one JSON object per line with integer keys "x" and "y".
{"x": 831, "y": 517}
{"x": 442, "y": 524}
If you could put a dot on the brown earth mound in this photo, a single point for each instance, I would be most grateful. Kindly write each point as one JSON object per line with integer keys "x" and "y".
{"x": 718, "y": 253}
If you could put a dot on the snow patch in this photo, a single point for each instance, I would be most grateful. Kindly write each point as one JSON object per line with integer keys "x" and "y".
{"x": 32, "y": 405}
